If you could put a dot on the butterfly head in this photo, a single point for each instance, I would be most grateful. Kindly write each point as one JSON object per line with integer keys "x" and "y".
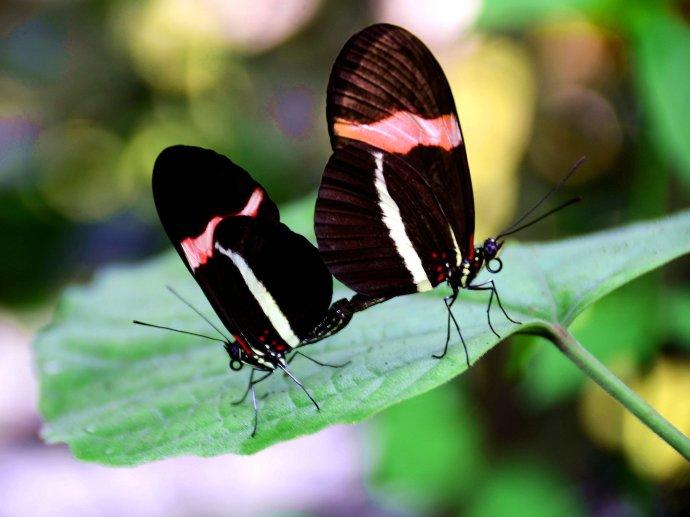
{"x": 488, "y": 253}
{"x": 484, "y": 255}
{"x": 256, "y": 359}
{"x": 239, "y": 357}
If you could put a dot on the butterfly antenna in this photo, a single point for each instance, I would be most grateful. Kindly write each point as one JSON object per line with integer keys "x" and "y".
{"x": 289, "y": 374}
{"x": 137, "y": 322}
{"x": 553, "y": 189}
{"x": 177, "y": 295}
{"x": 543, "y": 216}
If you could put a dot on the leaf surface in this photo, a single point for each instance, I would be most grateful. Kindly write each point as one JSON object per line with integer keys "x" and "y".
{"x": 121, "y": 394}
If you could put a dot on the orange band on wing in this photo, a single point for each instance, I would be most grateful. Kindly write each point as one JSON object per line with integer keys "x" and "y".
{"x": 200, "y": 248}
{"x": 403, "y": 131}
{"x": 252, "y": 206}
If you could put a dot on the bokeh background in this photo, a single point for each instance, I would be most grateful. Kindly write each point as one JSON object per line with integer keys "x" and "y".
{"x": 91, "y": 91}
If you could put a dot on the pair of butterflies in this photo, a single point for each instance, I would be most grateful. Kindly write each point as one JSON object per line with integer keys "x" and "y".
{"x": 394, "y": 214}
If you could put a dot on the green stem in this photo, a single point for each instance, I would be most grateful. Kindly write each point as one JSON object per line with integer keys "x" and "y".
{"x": 596, "y": 371}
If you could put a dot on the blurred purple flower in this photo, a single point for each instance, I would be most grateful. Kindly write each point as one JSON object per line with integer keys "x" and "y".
{"x": 293, "y": 110}
{"x": 17, "y": 137}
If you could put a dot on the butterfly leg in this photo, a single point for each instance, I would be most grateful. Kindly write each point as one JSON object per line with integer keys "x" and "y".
{"x": 488, "y": 313}
{"x": 252, "y": 390}
{"x": 445, "y": 347}
{"x": 498, "y": 299}
{"x": 250, "y": 386}
{"x": 449, "y": 301}
{"x": 491, "y": 286}
{"x": 317, "y": 362}
{"x": 297, "y": 381}
{"x": 256, "y": 410}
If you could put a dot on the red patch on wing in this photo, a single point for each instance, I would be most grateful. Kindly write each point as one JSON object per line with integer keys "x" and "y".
{"x": 251, "y": 209}
{"x": 199, "y": 249}
{"x": 403, "y": 131}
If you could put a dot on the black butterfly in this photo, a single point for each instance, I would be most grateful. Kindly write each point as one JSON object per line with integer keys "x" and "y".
{"x": 395, "y": 209}
{"x": 267, "y": 284}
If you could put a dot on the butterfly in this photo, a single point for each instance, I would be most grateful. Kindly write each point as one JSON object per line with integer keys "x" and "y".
{"x": 395, "y": 209}
{"x": 268, "y": 285}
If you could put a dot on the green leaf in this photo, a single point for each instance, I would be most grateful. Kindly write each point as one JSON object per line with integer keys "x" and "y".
{"x": 522, "y": 487}
{"x": 122, "y": 394}
{"x": 660, "y": 43}
{"x": 527, "y": 13}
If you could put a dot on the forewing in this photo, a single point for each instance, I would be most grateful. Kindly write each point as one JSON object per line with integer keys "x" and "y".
{"x": 387, "y": 89}
{"x": 267, "y": 281}
{"x": 379, "y": 226}
{"x": 194, "y": 189}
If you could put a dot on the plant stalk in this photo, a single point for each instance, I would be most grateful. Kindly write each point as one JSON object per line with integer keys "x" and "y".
{"x": 596, "y": 371}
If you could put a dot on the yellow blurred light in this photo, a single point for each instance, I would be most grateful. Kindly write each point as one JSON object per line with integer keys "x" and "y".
{"x": 574, "y": 122}
{"x": 76, "y": 171}
{"x": 600, "y": 414}
{"x": 576, "y": 60}
{"x": 214, "y": 112}
{"x": 176, "y": 45}
{"x": 150, "y": 138}
{"x": 573, "y": 51}
{"x": 495, "y": 92}
{"x": 18, "y": 98}
{"x": 666, "y": 389}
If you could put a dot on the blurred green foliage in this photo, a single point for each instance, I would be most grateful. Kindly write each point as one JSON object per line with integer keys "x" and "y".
{"x": 512, "y": 14}
{"x": 429, "y": 448}
{"x": 524, "y": 487}
{"x": 660, "y": 41}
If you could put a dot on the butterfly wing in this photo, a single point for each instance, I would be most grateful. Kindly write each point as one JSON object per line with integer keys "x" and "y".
{"x": 379, "y": 226}
{"x": 194, "y": 189}
{"x": 253, "y": 269}
{"x": 387, "y": 89}
{"x": 269, "y": 281}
